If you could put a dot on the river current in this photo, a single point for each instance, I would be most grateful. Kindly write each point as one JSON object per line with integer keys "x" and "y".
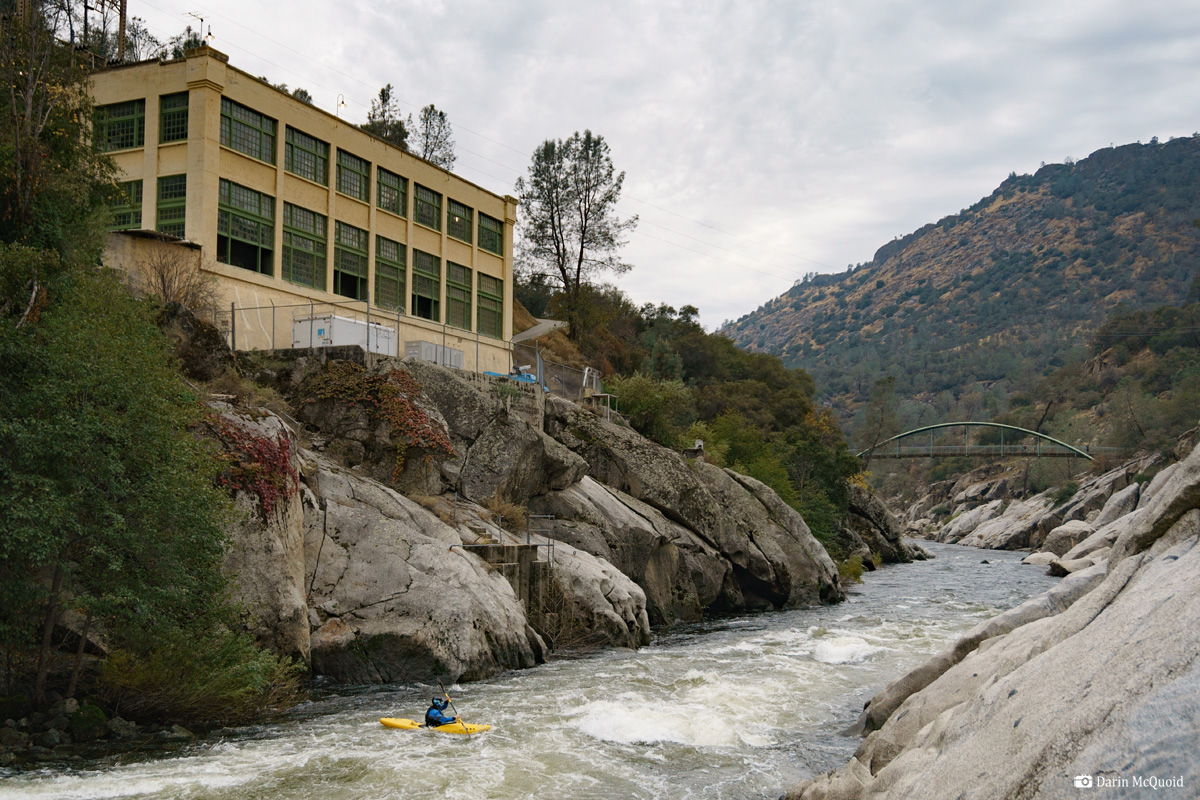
{"x": 738, "y": 708}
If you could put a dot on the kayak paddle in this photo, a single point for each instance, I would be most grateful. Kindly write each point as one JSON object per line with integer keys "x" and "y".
{"x": 461, "y": 721}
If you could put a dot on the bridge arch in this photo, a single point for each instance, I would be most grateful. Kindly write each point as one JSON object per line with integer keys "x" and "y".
{"x": 981, "y": 449}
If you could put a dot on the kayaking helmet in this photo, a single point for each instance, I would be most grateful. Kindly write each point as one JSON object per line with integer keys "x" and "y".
{"x": 439, "y": 703}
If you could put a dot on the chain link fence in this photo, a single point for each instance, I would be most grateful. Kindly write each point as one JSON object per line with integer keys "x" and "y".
{"x": 313, "y": 325}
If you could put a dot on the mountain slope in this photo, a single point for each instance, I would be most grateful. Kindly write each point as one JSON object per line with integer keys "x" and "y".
{"x": 984, "y": 301}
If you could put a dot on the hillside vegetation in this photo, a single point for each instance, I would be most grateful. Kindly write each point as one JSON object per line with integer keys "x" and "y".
{"x": 968, "y": 311}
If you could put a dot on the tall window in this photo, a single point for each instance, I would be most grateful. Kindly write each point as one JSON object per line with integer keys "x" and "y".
{"x": 428, "y": 209}
{"x": 246, "y": 228}
{"x": 458, "y": 221}
{"x": 353, "y": 175}
{"x": 173, "y": 118}
{"x": 349, "y": 261}
{"x": 306, "y": 156}
{"x": 127, "y": 210}
{"x": 247, "y": 131}
{"x": 427, "y": 286}
{"x": 119, "y": 126}
{"x": 172, "y": 204}
{"x": 491, "y": 234}
{"x": 490, "y": 305}
{"x": 458, "y": 296}
{"x": 389, "y": 274}
{"x": 393, "y": 192}
{"x": 305, "y": 235}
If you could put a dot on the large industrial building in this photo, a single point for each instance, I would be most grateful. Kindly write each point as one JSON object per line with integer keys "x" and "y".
{"x": 314, "y": 230}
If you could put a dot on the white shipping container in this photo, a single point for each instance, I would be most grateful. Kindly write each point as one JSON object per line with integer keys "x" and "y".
{"x": 436, "y": 353}
{"x": 328, "y": 330}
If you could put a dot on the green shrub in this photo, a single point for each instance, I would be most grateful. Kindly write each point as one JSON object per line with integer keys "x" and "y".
{"x": 221, "y": 677}
{"x": 851, "y": 570}
{"x": 1065, "y": 492}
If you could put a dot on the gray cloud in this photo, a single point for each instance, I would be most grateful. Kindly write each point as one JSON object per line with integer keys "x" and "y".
{"x": 761, "y": 140}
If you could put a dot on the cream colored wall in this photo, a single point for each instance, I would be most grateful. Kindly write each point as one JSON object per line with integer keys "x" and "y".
{"x": 206, "y": 75}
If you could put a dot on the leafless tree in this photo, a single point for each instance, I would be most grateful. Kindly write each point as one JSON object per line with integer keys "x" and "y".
{"x": 171, "y": 275}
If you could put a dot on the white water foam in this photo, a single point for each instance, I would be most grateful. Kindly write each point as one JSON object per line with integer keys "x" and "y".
{"x": 843, "y": 650}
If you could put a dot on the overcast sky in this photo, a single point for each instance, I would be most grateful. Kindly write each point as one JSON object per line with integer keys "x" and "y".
{"x": 760, "y": 140}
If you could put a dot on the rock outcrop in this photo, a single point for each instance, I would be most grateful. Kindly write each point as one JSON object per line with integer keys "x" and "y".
{"x": 389, "y": 566}
{"x": 981, "y": 519}
{"x": 1099, "y": 677}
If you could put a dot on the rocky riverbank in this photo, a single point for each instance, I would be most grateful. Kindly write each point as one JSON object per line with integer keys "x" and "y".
{"x": 1098, "y": 679}
{"x": 397, "y": 563}
{"x": 69, "y": 730}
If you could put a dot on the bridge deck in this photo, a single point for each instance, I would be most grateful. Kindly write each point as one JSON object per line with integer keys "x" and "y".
{"x": 987, "y": 451}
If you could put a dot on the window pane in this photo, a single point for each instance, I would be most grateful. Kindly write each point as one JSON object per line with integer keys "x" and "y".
{"x": 306, "y": 156}
{"x": 428, "y": 208}
{"x": 120, "y": 126}
{"x": 173, "y": 117}
{"x": 491, "y": 234}
{"x": 127, "y": 208}
{"x": 247, "y": 131}
{"x": 245, "y": 228}
{"x": 458, "y": 223}
{"x": 389, "y": 274}
{"x": 172, "y": 205}
{"x": 393, "y": 193}
{"x": 353, "y": 175}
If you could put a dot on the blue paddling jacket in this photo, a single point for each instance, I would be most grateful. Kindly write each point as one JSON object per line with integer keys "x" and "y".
{"x": 434, "y": 716}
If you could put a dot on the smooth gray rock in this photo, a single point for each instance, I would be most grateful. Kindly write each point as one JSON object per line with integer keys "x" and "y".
{"x": 1039, "y": 559}
{"x": 1110, "y": 686}
{"x": 1066, "y": 536}
{"x": 968, "y": 521}
{"x": 266, "y": 554}
{"x": 878, "y": 527}
{"x": 405, "y": 601}
{"x": 1118, "y": 505}
{"x": 1023, "y": 524}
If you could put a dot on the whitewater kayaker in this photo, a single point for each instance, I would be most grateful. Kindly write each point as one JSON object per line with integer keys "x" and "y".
{"x": 435, "y": 716}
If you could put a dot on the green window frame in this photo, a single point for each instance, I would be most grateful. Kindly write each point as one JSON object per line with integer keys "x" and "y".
{"x": 458, "y": 221}
{"x": 305, "y": 238}
{"x": 172, "y": 205}
{"x": 390, "y": 266}
{"x": 127, "y": 210}
{"x": 350, "y": 261}
{"x": 427, "y": 286}
{"x": 306, "y": 156}
{"x": 247, "y": 131}
{"x": 491, "y": 234}
{"x": 391, "y": 192}
{"x": 458, "y": 296}
{"x": 427, "y": 208}
{"x": 245, "y": 228}
{"x": 119, "y": 126}
{"x": 353, "y": 175}
{"x": 173, "y": 118}
{"x": 489, "y": 306}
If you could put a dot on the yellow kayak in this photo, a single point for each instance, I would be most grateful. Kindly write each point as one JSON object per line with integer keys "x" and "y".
{"x": 454, "y": 727}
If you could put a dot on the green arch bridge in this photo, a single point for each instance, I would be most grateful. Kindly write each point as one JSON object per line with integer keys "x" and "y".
{"x": 1043, "y": 446}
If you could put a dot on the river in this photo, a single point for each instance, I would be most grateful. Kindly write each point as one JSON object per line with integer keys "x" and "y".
{"x": 737, "y": 708}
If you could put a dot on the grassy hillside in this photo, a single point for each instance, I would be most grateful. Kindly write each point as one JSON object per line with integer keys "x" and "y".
{"x": 981, "y": 304}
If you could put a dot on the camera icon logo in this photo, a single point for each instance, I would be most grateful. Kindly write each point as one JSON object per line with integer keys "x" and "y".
{"x": 1083, "y": 782}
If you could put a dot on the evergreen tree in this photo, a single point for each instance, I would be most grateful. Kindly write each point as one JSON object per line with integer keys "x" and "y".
{"x": 570, "y": 227}
{"x": 383, "y": 120}
{"x": 435, "y": 139}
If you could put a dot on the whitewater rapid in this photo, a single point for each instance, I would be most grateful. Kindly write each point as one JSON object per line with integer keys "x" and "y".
{"x": 736, "y": 708}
